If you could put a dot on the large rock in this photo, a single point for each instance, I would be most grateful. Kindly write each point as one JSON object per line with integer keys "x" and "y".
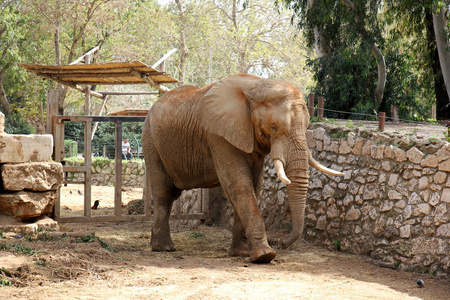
{"x": 27, "y": 205}
{"x": 37, "y": 176}
{"x": 15, "y": 148}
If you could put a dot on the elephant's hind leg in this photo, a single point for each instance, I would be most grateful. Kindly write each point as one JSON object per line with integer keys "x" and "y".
{"x": 239, "y": 243}
{"x": 162, "y": 206}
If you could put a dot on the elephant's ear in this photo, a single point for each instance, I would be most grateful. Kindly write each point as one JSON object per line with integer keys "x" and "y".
{"x": 225, "y": 111}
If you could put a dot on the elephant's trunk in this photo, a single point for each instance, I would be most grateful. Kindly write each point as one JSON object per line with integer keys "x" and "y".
{"x": 297, "y": 171}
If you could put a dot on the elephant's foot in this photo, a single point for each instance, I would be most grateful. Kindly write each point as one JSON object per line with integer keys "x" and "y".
{"x": 239, "y": 249}
{"x": 162, "y": 245}
{"x": 262, "y": 255}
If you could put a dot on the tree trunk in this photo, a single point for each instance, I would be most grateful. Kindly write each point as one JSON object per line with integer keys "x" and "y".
{"x": 442, "y": 45}
{"x": 4, "y": 101}
{"x": 442, "y": 98}
{"x": 321, "y": 43}
{"x": 381, "y": 64}
{"x": 183, "y": 47}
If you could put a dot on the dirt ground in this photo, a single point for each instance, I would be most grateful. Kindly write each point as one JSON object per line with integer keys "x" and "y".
{"x": 115, "y": 261}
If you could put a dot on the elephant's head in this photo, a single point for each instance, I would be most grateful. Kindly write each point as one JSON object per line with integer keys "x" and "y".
{"x": 253, "y": 113}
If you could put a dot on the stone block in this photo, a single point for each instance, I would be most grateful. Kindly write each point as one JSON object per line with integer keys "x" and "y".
{"x": 443, "y": 230}
{"x": 399, "y": 155}
{"x": 444, "y": 166}
{"x": 353, "y": 214}
{"x": 35, "y": 176}
{"x": 414, "y": 155}
{"x": 440, "y": 177}
{"x": 445, "y": 195}
{"x": 27, "y": 205}
{"x": 15, "y": 148}
{"x": 430, "y": 161}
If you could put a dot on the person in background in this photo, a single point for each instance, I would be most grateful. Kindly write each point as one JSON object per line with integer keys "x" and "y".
{"x": 126, "y": 150}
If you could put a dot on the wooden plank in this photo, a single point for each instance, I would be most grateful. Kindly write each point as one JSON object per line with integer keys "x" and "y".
{"x": 76, "y": 169}
{"x": 129, "y": 93}
{"x": 124, "y": 218}
{"x": 118, "y": 170}
{"x": 101, "y": 118}
{"x": 74, "y": 86}
{"x": 88, "y": 164}
{"x": 74, "y": 181}
{"x": 86, "y": 54}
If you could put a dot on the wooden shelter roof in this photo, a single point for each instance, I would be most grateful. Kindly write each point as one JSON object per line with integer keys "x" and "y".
{"x": 102, "y": 74}
{"x": 131, "y": 112}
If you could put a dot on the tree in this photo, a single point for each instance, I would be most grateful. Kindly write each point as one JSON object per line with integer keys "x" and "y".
{"x": 333, "y": 26}
{"x": 442, "y": 33}
{"x": 414, "y": 23}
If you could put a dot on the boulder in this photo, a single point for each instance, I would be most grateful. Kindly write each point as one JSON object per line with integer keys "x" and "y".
{"x": 35, "y": 176}
{"x": 16, "y": 148}
{"x": 26, "y": 205}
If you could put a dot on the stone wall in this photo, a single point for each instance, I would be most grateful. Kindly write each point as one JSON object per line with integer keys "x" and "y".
{"x": 29, "y": 179}
{"x": 393, "y": 203}
{"x": 133, "y": 172}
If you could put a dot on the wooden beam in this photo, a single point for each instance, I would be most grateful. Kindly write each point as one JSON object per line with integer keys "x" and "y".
{"x": 74, "y": 86}
{"x": 150, "y": 81}
{"x": 87, "y": 53}
{"x": 129, "y": 93}
{"x": 156, "y": 64}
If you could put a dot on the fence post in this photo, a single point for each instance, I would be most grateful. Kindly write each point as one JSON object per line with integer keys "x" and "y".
{"x": 321, "y": 100}
{"x": 311, "y": 105}
{"x": 394, "y": 114}
{"x": 433, "y": 111}
{"x": 381, "y": 121}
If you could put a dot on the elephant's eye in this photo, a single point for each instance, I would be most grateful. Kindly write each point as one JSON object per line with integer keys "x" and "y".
{"x": 274, "y": 128}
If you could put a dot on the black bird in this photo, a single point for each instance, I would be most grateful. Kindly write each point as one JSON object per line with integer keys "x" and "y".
{"x": 96, "y": 203}
{"x": 420, "y": 283}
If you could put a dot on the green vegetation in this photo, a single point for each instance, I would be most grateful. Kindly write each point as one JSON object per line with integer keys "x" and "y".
{"x": 4, "y": 281}
{"x": 196, "y": 235}
{"x": 89, "y": 238}
{"x": 337, "y": 244}
{"x": 214, "y": 39}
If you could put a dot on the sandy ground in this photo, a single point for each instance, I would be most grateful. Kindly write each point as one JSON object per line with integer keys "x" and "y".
{"x": 115, "y": 261}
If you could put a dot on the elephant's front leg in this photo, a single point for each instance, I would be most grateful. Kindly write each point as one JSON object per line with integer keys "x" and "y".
{"x": 237, "y": 180}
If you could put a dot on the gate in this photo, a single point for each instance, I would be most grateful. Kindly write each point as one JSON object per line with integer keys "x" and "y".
{"x": 58, "y": 133}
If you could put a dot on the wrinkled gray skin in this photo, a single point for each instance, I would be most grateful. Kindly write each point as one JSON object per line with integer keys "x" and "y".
{"x": 219, "y": 135}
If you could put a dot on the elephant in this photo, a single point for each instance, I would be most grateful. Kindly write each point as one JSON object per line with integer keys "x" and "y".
{"x": 219, "y": 135}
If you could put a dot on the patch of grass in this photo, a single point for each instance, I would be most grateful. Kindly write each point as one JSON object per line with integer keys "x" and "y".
{"x": 196, "y": 235}
{"x": 414, "y": 132}
{"x": 433, "y": 122}
{"x": 330, "y": 121}
{"x": 4, "y": 281}
{"x": 2, "y": 236}
{"x": 447, "y": 137}
{"x": 433, "y": 140}
{"x": 89, "y": 238}
{"x": 41, "y": 263}
{"x": 339, "y": 135}
{"x": 337, "y": 245}
{"x": 22, "y": 249}
{"x": 5, "y": 247}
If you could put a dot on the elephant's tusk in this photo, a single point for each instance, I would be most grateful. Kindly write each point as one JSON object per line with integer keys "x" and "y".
{"x": 314, "y": 163}
{"x": 280, "y": 171}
